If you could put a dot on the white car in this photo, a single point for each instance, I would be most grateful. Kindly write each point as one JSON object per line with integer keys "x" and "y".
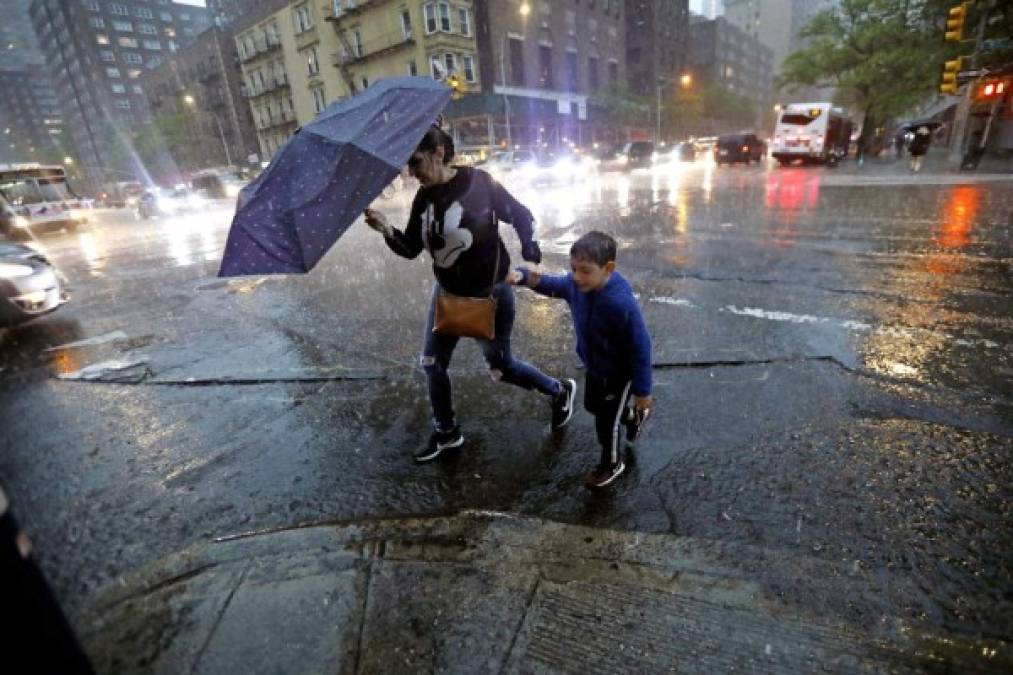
{"x": 506, "y": 164}
{"x": 29, "y": 285}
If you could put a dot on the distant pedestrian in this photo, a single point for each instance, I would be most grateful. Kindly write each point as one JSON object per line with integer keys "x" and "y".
{"x": 612, "y": 341}
{"x": 919, "y": 146}
{"x": 455, "y": 216}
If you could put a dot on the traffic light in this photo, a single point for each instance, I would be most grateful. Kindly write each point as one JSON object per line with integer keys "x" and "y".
{"x": 457, "y": 86}
{"x": 950, "y": 70}
{"x": 955, "y": 22}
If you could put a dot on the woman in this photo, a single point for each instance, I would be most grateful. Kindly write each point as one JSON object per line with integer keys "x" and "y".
{"x": 455, "y": 216}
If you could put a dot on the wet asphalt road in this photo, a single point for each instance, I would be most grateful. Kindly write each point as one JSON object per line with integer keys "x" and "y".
{"x": 834, "y": 380}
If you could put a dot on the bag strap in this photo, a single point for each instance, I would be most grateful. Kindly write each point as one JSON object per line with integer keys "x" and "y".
{"x": 495, "y": 268}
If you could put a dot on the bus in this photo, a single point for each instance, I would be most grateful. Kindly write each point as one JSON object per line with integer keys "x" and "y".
{"x": 811, "y": 132}
{"x": 41, "y": 196}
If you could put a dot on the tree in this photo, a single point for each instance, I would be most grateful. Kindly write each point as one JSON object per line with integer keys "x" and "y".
{"x": 882, "y": 56}
{"x": 623, "y": 107}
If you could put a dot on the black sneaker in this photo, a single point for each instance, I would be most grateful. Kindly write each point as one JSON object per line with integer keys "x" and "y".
{"x": 604, "y": 475}
{"x": 438, "y": 442}
{"x": 562, "y": 404}
{"x": 634, "y": 422}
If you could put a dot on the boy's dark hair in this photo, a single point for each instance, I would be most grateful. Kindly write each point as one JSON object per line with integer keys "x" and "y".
{"x": 434, "y": 138}
{"x": 596, "y": 247}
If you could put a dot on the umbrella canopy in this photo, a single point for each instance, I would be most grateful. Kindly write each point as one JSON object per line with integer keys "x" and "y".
{"x": 320, "y": 181}
{"x": 931, "y": 124}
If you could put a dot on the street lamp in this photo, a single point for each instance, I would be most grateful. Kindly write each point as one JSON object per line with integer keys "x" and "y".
{"x": 68, "y": 160}
{"x": 524, "y": 10}
{"x": 189, "y": 100}
{"x": 686, "y": 80}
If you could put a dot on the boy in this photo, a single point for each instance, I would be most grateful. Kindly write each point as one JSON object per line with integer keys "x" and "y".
{"x": 612, "y": 341}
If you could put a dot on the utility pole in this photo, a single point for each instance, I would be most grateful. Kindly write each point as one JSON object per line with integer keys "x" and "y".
{"x": 958, "y": 142}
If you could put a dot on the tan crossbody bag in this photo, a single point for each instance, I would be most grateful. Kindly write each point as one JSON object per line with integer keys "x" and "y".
{"x": 464, "y": 316}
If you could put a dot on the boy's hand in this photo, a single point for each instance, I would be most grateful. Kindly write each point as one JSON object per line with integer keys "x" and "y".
{"x": 515, "y": 278}
{"x": 643, "y": 402}
{"x": 378, "y": 222}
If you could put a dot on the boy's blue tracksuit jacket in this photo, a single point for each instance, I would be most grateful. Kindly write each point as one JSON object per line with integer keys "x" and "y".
{"x": 612, "y": 339}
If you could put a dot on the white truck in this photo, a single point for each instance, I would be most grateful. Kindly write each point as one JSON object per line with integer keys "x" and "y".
{"x": 811, "y": 132}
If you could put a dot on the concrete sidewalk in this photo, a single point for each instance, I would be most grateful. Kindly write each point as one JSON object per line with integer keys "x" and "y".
{"x": 482, "y": 593}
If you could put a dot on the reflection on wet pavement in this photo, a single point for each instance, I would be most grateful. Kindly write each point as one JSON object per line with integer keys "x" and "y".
{"x": 834, "y": 381}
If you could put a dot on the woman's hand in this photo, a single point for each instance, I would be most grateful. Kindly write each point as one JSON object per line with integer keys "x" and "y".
{"x": 643, "y": 402}
{"x": 378, "y": 222}
{"x": 515, "y": 278}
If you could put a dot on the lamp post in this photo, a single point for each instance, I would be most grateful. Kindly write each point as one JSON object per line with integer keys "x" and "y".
{"x": 524, "y": 10}
{"x": 191, "y": 102}
{"x": 686, "y": 80}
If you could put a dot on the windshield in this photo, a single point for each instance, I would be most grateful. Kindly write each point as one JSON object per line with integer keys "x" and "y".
{"x": 21, "y": 192}
{"x": 54, "y": 189}
{"x": 799, "y": 119}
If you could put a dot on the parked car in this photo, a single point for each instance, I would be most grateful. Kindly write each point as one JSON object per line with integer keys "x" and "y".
{"x": 29, "y": 284}
{"x": 155, "y": 202}
{"x": 732, "y": 148}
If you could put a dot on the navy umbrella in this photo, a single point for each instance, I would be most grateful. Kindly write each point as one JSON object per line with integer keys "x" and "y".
{"x": 320, "y": 181}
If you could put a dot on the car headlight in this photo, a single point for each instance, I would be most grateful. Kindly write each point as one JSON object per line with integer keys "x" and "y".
{"x": 165, "y": 205}
{"x": 22, "y": 222}
{"x": 624, "y": 160}
{"x": 15, "y": 271}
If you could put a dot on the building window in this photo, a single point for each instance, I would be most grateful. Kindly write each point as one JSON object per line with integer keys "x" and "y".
{"x": 319, "y": 99}
{"x": 112, "y": 72}
{"x": 184, "y": 17}
{"x": 118, "y": 89}
{"x": 101, "y": 39}
{"x": 464, "y": 18}
{"x": 469, "y": 68}
{"x": 119, "y": 10}
{"x": 365, "y": 83}
{"x": 130, "y": 43}
{"x": 93, "y": 5}
{"x": 451, "y": 61}
{"x": 413, "y": 69}
{"x": 123, "y": 26}
{"x": 545, "y": 66}
{"x": 303, "y": 19}
{"x": 142, "y": 12}
{"x": 134, "y": 73}
{"x": 153, "y": 45}
{"x": 406, "y": 24}
{"x": 444, "y": 8}
{"x": 147, "y": 29}
{"x": 107, "y": 55}
{"x": 312, "y": 62}
{"x": 436, "y": 67}
{"x": 165, "y": 16}
{"x": 572, "y": 74}
{"x": 516, "y": 62}
{"x": 123, "y": 104}
{"x": 97, "y": 22}
{"x": 429, "y": 12}
{"x": 592, "y": 73}
{"x": 130, "y": 57}
{"x": 359, "y": 49}
{"x": 138, "y": 89}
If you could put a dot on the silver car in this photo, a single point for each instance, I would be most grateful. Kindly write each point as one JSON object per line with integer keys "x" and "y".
{"x": 29, "y": 284}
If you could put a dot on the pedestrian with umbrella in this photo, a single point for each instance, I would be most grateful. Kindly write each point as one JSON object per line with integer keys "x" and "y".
{"x": 920, "y": 146}
{"x": 455, "y": 216}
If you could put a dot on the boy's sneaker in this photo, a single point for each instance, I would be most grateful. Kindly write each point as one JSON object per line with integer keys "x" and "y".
{"x": 604, "y": 475}
{"x": 562, "y": 404}
{"x": 438, "y": 442}
{"x": 634, "y": 422}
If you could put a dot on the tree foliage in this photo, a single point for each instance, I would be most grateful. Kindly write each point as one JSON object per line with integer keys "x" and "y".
{"x": 882, "y": 56}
